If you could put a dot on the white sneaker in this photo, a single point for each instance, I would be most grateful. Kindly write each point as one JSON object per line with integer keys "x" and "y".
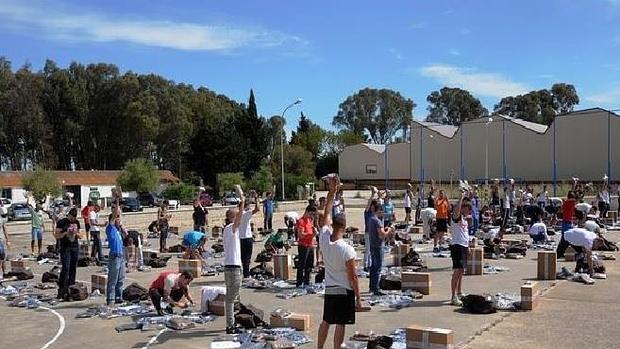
{"x": 456, "y": 301}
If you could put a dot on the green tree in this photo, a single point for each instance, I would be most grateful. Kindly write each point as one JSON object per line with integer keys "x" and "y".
{"x": 41, "y": 183}
{"x": 540, "y": 106}
{"x": 334, "y": 144}
{"x": 184, "y": 192}
{"x": 138, "y": 175}
{"x": 452, "y": 106}
{"x": 226, "y": 181}
{"x": 297, "y": 162}
{"x": 309, "y": 136}
{"x": 379, "y": 113}
{"x": 262, "y": 180}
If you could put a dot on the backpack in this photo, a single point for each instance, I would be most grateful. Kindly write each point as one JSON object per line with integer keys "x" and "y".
{"x": 175, "y": 249}
{"x": 380, "y": 342}
{"x": 389, "y": 283}
{"x": 158, "y": 262}
{"x": 256, "y": 315}
{"x": 21, "y": 275}
{"x": 135, "y": 293}
{"x": 320, "y": 276}
{"x": 264, "y": 256}
{"x": 477, "y": 304}
{"x": 51, "y": 276}
{"x": 245, "y": 320}
{"x": 86, "y": 262}
{"x": 412, "y": 258}
{"x": 78, "y": 292}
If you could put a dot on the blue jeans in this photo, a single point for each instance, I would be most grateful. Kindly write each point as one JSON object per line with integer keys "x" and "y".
{"x": 37, "y": 233}
{"x": 246, "y": 255}
{"x": 376, "y": 257}
{"x": 474, "y": 227}
{"x": 96, "y": 250}
{"x": 116, "y": 275}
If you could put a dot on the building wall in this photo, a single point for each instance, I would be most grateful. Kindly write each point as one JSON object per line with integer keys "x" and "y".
{"x": 580, "y": 143}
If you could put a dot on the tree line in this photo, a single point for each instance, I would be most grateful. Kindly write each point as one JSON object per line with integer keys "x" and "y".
{"x": 92, "y": 116}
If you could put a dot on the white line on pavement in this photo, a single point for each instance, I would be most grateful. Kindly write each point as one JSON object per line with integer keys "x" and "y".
{"x": 61, "y": 328}
{"x": 153, "y": 339}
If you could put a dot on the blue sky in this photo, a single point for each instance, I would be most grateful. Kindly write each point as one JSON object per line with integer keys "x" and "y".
{"x": 323, "y": 51}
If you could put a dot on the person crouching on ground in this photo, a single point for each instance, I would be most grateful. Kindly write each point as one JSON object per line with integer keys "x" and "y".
{"x": 583, "y": 242}
{"x": 193, "y": 244}
{"x": 116, "y": 259}
{"x": 171, "y": 287}
{"x": 232, "y": 260}
{"x": 305, "y": 236}
{"x": 459, "y": 249}
{"x": 538, "y": 231}
{"x": 342, "y": 295}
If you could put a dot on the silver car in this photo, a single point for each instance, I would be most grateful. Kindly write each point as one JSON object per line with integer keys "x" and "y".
{"x": 19, "y": 212}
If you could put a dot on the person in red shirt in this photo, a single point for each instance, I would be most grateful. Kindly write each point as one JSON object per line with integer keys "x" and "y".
{"x": 443, "y": 207}
{"x": 170, "y": 287}
{"x": 568, "y": 211}
{"x": 85, "y": 215}
{"x": 306, "y": 233}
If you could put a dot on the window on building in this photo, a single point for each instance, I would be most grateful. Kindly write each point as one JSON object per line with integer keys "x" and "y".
{"x": 371, "y": 169}
{"x": 6, "y": 193}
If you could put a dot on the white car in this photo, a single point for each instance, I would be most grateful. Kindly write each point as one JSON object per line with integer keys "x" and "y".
{"x": 4, "y": 206}
{"x": 173, "y": 204}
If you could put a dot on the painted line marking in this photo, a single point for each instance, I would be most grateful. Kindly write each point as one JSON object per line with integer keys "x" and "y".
{"x": 61, "y": 328}
{"x": 153, "y": 339}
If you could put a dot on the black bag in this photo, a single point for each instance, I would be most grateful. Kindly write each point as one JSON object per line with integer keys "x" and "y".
{"x": 245, "y": 320}
{"x": 380, "y": 342}
{"x": 256, "y": 314}
{"x": 598, "y": 267}
{"x": 175, "y": 249}
{"x": 51, "y": 276}
{"x": 320, "y": 276}
{"x": 519, "y": 249}
{"x": 78, "y": 292}
{"x": 158, "y": 262}
{"x": 262, "y": 271}
{"x": 477, "y": 304}
{"x": 264, "y": 256}
{"x": 25, "y": 274}
{"x": 389, "y": 284}
{"x": 412, "y": 258}
{"x": 86, "y": 262}
{"x": 218, "y": 248}
{"x": 135, "y": 293}
{"x": 609, "y": 246}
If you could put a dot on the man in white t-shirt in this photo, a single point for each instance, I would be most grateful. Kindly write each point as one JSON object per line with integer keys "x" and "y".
{"x": 342, "y": 295}
{"x": 459, "y": 249}
{"x": 407, "y": 203}
{"x": 427, "y": 215}
{"x": 95, "y": 233}
{"x": 245, "y": 235}
{"x": 290, "y": 220}
{"x": 232, "y": 260}
{"x": 583, "y": 242}
{"x": 538, "y": 232}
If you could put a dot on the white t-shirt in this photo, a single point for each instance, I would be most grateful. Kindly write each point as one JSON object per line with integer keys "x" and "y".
{"x": 542, "y": 197}
{"x": 335, "y": 256}
{"x": 459, "y": 232}
{"x": 583, "y": 207}
{"x": 245, "y": 229}
{"x": 93, "y": 216}
{"x": 427, "y": 215}
{"x": 591, "y": 226}
{"x": 170, "y": 281}
{"x": 604, "y": 196}
{"x": 506, "y": 200}
{"x": 538, "y": 228}
{"x": 580, "y": 237}
{"x": 491, "y": 234}
{"x": 232, "y": 246}
{"x": 293, "y": 215}
{"x": 407, "y": 200}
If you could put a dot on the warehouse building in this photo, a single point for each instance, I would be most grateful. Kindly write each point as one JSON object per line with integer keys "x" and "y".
{"x": 583, "y": 144}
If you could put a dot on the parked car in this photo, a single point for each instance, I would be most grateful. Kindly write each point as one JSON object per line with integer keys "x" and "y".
{"x": 149, "y": 199}
{"x": 19, "y": 212}
{"x": 4, "y": 207}
{"x": 130, "y": 205}
{"x": 230, "y": 199}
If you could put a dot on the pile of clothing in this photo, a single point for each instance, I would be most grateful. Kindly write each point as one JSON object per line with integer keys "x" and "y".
{"x": 106, "y": 312}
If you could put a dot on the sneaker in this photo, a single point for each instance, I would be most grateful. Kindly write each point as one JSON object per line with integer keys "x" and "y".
{"x": 456, "y": 301}
{"x": 460, "y": 296}
{"x": 587, "y": 279}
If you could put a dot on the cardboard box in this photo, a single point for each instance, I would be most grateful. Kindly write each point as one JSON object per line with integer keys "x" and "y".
{"x": 569, "y": 255}
{"x": 398, "y": 252}
{"x": 192, "y": 266}
{"x": 297, "y": 321}
{"x": 420, "y": 282}
{"x": 475, "y": 261}
{"x": 529, "y": 296}
{"x": 98, "y": 282}
{"x": 420, "y": 337}
{"x": 546, "y": 265}
{"x": 283, "y": 266}
{"x": 473, "y": 243}
{"x": 218, "y": 305}
{"x": 18, "y": 266}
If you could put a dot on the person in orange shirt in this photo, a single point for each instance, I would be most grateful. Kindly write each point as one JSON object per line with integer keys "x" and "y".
{"x": 442, "y": 206}
{"x": 306, "y": 232}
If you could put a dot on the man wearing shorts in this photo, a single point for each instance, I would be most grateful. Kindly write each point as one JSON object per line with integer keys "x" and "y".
{"x": 37, "y": 226}
{"x": 459, "y": 248}
{"x": 442, "y": 207}
{"x": 407, "y": 203}
{"x": 342, "y": 295}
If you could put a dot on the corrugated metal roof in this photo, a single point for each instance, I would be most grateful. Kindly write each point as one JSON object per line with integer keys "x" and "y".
{"x": 379, "y": 148}
{"x": 540, "y": 128}
{"x": 444, "y": 130}
{"x": 12, "y": 179}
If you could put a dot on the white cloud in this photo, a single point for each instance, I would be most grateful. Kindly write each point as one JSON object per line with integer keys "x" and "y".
{"x": 396, "y": 54}
{"x": 91, "y": 27}
{"x": 480, "y": 83}
{"x": 612, "y": 96}
{"x": 455, "y": 52}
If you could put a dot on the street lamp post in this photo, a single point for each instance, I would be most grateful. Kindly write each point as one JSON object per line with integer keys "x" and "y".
{"x": 299, "y": 100}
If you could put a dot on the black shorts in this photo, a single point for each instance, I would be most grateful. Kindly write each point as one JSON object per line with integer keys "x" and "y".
{"x": 458, "y": 254}
{"x": 339, "y": 306}
{"x": 407, "y": 210}
{"x": 442, "y": 225}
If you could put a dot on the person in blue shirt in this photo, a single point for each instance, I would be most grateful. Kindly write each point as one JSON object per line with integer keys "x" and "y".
{"x": 388, "y": 211}
{"x": 193, "y": 243}
{"x": 377, "y": 233}
{"x": 116, "y": 258}
{"x": 268, "y": 211}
